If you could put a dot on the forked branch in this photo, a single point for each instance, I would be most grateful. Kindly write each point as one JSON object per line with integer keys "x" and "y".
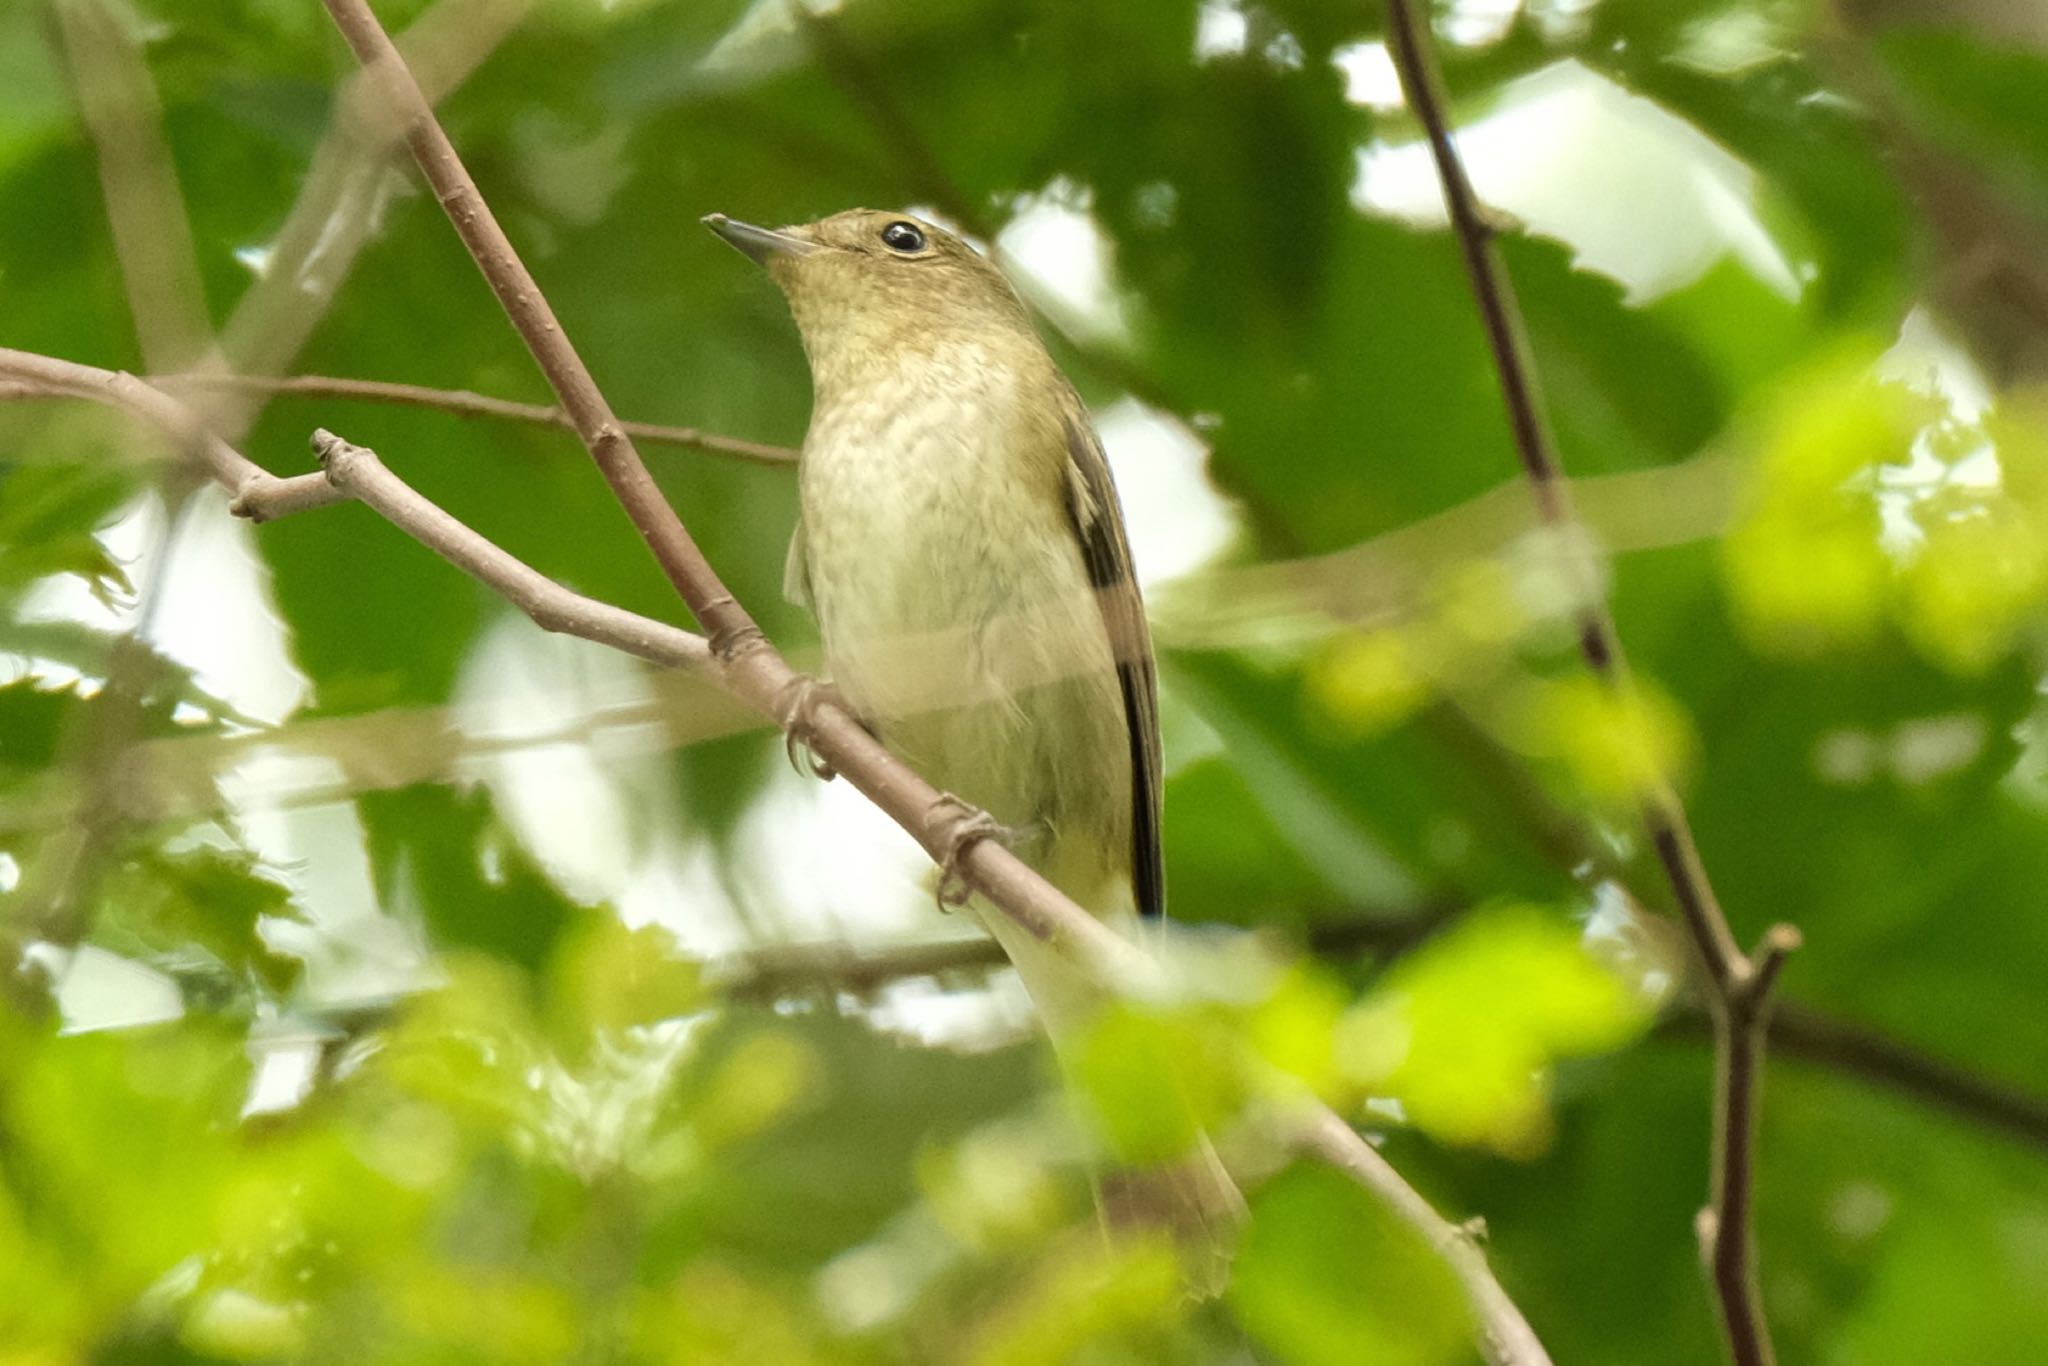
{"x": 1739, "y": 984}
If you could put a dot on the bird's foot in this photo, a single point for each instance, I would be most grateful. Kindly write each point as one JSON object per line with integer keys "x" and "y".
{"x": 962, "y": 827}
{"x": 796, "y": 709}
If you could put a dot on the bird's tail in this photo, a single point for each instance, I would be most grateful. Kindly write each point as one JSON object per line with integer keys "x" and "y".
{"x": 1193, "y": 1197}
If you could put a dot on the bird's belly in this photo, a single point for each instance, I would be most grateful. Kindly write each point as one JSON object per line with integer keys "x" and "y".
{"x": 965, "y": 629}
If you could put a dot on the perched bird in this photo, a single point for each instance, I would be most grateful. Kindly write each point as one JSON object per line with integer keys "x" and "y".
{"x": 963, "y": 550}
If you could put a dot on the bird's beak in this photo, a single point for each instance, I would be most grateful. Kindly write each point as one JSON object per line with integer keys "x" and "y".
{"x": 759, "y": 245}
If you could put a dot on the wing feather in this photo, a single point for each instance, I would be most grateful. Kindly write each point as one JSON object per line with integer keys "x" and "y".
{"x": 1099, "y": 526}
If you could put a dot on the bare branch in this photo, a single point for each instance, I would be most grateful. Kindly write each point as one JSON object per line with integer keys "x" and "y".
{"x": 464, "y": 403}
{"x": 1741, "y": 984}
{"x": 344, "y": 194}
{"x": 357, "y": 472}
{"x": 257, "y": 493}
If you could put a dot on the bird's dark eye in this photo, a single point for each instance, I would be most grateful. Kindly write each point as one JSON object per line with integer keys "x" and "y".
{"x": 903, "y": 237}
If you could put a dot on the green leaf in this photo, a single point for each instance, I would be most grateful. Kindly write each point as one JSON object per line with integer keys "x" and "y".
{"x": 1465, "y": 1032}
{"x": 1155, "y": 1080}
{"x": 207, "y": 898}
{"x": 474, "y": 883}
{"x": 1327, "y": 1275}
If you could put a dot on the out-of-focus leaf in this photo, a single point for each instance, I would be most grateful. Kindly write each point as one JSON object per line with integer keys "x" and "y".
{"x": 1988, "y": 100}
{"x": 843, "y": 1160}
{"x": 1155, "y": 1080}
{"x": 1465, "y": 1031}
{"x": 474, "y": 884}
{"x": 607, "y": 977}
{"x": 1085, "y": 1298}
{"x": 49, "y": 511}
{"x": 204, "y": 897}
{"x": 33, "y": 722}
{"x": 1614, "y": 746}
{"x": 1327, "y": 1275}
{"x": 1805, "y": 565}
{"x": 1381, "y": 818}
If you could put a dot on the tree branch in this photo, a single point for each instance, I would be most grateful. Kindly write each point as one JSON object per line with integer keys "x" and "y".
{"x": 257, "y": 494}
{"x": 357, "y": 472}
{"x": 344, "y": 193}
{"x": 788, "y": 971}
{"x": 744, "y": 661}
{"x": 1802, "y": 1032}
{"x": 464, "y": 403}
{"x": 1740, "y": 983}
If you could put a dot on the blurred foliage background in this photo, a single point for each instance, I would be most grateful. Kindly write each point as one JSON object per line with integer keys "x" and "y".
{"x": 399, "y": 984}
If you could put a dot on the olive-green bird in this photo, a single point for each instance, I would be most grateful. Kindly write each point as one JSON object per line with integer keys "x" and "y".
{"x": 963, "y": 550}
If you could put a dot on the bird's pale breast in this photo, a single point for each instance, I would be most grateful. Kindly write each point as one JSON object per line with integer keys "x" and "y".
{"x": 957, "y": 615}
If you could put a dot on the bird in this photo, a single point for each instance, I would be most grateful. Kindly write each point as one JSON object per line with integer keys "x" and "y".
{"x": 962, "y": 548}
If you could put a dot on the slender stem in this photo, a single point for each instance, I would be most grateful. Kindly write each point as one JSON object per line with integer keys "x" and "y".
{"x": 258, "y": 494}
{"x": 1741, "y": 983}
{"x": 744, "y": 663}
{"x": 464, "y": 403}
{"x": 358, "y": 472}
{"x": 534, "y": 318}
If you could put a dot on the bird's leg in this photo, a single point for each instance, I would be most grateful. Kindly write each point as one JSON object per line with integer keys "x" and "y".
{"x": 795, "y": 709}
{"x": 965, "y": 826}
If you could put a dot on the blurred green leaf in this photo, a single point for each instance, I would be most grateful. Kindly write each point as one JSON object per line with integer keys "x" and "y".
{"x": 1465, "y": 1031}
{"x": 474, "y": 883}
{"x": 1155, "y": 1080}
{"x": 205, "y": 898}
{"x": 1327, "y": 1275}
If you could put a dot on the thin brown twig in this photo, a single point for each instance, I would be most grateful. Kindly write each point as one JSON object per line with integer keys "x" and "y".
{"x": 1504, "y": 1335}
{"x": 744, "y": 661}
{"x": 465, "y": 403}
{"x": 1821, "y": 1040}
{"x": 344, "y": 194}
{"x": 257, "y": 493}
{"x": 1797, "y": 1032}
{"x": 1740, "y": 983}
{"x": 350, "y": 472}
{"x": 358, "y": 473}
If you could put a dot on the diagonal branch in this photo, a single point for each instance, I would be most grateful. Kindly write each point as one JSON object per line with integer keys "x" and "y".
{"x": 1740, "y": 983}
{"x": 358, "y": 473}
{"x": 742, "y": 659}
{"x": 258, "y": 494}
{"x": 752, "y": 670}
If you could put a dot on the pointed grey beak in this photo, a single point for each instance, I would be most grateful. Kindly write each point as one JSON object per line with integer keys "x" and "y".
{"x": 756, "y": 244}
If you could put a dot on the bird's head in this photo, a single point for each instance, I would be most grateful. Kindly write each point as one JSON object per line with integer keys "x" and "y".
{"x": 866, "y": 285}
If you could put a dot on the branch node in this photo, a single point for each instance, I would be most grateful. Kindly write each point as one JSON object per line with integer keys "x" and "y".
{"x": 1779, "y": 943}
{"x": 734, "y": 640}
{"x": 334, "y": 454}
